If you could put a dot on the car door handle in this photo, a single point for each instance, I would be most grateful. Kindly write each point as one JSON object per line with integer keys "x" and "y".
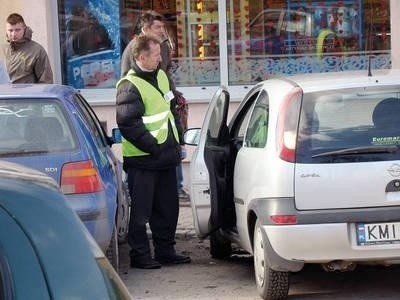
{"x": 207, "y": 191}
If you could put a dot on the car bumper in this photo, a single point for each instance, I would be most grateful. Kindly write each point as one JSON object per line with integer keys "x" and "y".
{"x": 321, "y": 236}
{"x": 97, "y": 213}
{"x": 100, "y": 230}
{"x": 321, "y": 243}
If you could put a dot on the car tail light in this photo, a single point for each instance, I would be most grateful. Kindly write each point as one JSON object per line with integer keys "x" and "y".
{"x": 287, "y": 125}
{"x": 284, "y": 219}
{"x": 80, "y": 178}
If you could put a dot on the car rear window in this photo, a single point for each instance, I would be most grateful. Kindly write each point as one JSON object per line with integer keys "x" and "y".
{"x": 33, "y": 126}
{"x": 352, "y": 125}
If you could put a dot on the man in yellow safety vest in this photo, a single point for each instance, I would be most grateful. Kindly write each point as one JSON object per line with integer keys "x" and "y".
{"x": 151, "y": 148}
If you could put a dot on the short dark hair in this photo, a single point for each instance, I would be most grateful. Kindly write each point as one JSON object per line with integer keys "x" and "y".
{"x": 142, "y": 44}
{"x": 147, "y": 19}
{"x": 15, "y": 19}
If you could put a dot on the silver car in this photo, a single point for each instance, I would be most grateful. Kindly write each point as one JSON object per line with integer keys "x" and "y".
{"x": 306, "y": 171}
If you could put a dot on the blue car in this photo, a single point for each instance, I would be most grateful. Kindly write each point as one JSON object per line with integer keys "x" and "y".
{"x": 45, "y": 251}
{"x": 53, "y": 129}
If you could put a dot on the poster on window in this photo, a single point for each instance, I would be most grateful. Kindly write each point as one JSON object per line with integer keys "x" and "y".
{"x": 90, "y": 43}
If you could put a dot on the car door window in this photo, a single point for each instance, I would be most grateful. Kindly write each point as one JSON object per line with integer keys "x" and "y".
{"x": 257, "y": 129}
{"x": 243, "y": 125}
{"x": 240, "y": 120}
{"x": 97, "y": 139}
{"x": 92, "y": 121}
{"x": 216, "y": 120}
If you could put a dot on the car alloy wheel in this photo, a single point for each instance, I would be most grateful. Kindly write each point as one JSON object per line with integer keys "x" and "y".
{"x": 123, "y": 214}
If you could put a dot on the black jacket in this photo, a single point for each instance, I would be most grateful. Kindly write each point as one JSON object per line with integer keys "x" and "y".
{"x": 129, "y": 112}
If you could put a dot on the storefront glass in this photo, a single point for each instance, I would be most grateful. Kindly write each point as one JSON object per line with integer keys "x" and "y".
{"x": 262, "y": 38}
{"x": 287, "y": 37}
{"x": 90, "y": 42}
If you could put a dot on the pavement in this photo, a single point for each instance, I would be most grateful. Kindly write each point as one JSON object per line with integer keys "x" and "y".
{"x": 185, "y": 229}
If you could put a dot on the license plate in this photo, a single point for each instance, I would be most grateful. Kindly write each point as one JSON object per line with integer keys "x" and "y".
{"x": 378, "y": 233}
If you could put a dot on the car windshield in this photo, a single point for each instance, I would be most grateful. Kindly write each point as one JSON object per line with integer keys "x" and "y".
{"x": 33, "y": 126}
{"x": 352, "y": 125}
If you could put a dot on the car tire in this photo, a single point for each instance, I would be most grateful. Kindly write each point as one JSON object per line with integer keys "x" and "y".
{"x": 220, "y": 247}
{"x": 123, "y": 216}
{"x": 271, "y": 284}
{"x": 112, "y": 253}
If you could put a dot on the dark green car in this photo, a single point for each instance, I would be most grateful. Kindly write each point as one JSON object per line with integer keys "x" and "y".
{"x": 45, "y": 250}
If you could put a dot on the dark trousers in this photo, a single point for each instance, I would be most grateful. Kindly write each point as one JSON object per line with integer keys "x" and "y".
{"x": 154, "y": 201}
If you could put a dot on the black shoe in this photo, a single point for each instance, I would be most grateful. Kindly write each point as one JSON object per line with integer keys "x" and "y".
{"x": 173, "y": 259}
{"x": 145, "y": 263}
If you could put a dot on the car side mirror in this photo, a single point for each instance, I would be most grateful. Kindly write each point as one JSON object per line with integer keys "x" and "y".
{"x": 116, "y": 136}
{"x": 192, "y": 136}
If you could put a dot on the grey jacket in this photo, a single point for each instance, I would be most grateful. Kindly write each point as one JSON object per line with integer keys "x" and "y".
{"x": 27, "y": 61}
{"x": 127, "y": 60}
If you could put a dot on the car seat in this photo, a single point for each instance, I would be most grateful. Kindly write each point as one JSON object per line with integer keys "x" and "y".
{"x": 386, "y": 117}
{"x": 42, "y": 133}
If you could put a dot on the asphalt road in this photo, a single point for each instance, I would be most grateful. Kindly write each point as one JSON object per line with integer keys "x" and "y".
{"x": 207, "y": 278}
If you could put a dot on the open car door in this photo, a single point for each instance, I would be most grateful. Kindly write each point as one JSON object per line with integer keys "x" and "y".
{"x": 209, "y": 182}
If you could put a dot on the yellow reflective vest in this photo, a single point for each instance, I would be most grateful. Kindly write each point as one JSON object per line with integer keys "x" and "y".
{"x": 157, "y": 111}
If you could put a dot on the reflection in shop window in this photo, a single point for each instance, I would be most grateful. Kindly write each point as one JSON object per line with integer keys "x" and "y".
{"x": 265, "y": 38}
{"x": 90, "y": 44}
{"x": 192, "y": 28}
{"x": 268, "y": 38}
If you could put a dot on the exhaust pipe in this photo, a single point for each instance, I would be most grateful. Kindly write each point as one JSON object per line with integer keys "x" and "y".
{"x": 339, "y": 265}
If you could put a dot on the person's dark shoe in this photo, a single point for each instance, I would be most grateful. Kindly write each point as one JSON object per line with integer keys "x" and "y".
{"x": 173, "y": 259}
{"x": 145, "y": 263}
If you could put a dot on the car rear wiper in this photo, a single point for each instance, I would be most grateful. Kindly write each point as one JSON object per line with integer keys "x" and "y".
{"x": 21, "y": 152}
{"x": 359, "y": 150}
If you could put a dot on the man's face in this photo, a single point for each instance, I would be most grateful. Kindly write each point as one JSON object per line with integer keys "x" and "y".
{"x": 151, "y": 59}
{"x": 15, "y": 32}
{"x": 157, "y": 29}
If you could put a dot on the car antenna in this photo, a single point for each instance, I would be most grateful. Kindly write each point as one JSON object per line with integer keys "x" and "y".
{"x": 369, "y": 66}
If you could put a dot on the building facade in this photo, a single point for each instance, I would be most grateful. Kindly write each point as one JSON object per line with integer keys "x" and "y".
{"x": 214, "y": 42}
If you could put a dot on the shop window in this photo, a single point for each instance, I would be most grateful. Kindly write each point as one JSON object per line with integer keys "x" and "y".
{"x": 89, "y": 43}
{"x": 264, "y": 38}
{"x": 269, "y": 38}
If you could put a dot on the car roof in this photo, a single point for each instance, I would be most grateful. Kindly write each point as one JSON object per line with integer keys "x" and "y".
{"x": 35, "y": 90}
{"x": 348, "y": 79}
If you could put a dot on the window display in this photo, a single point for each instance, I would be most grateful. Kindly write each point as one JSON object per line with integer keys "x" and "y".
{"x": 263, "y": 38}
{"x": 289, "y": 37}
{"x": 90, "y": 44}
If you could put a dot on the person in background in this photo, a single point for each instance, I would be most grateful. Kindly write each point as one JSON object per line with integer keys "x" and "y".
{"x": 26, "y": 60}
{"x": 146, "y": 115}
{"x": 154, "y": 23}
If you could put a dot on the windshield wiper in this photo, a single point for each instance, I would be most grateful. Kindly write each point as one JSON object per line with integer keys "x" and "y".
{"x": 359, "y": 150}
{"x": 23, "y": 152}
